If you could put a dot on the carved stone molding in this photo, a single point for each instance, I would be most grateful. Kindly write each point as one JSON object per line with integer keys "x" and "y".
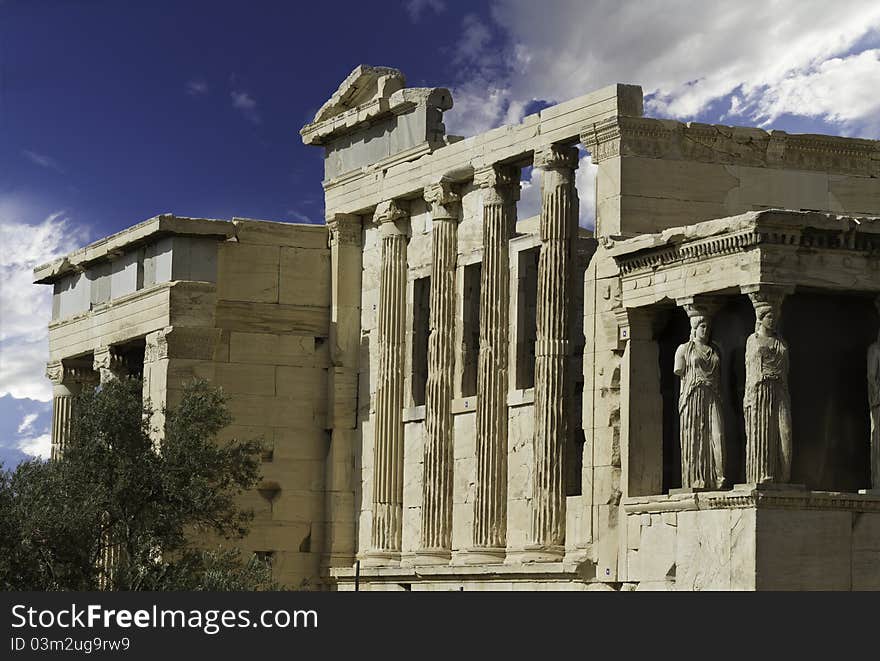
{"x": 108, "y": 363}
{"x": 60, "y": 374}
{"x": 500, "y": 184}
{"x": 555, "y": 157}
{"x": 443, "y": 200}
{"x": 812, "y": 230}
{"x": 708, "y": 143}
{"x": 345, "y": 229}
{"x": 390, "y": 211}
{"x": 181, "y": 342}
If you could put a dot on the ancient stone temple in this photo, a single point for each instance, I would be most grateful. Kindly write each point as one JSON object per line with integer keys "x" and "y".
{"x": 684, "y": 396}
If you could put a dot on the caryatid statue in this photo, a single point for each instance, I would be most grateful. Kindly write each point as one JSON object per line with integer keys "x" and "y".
{"x": 874, "y": 404}
{"x": 701, "y": 424}
{"x": 767, "y": 404}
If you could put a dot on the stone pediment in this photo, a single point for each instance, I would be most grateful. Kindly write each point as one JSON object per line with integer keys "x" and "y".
{"x": 365, "y": 96}
{"x": 362, "y": 86}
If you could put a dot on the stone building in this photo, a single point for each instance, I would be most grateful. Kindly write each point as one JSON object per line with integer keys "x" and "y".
{"x": 462, "y": 398}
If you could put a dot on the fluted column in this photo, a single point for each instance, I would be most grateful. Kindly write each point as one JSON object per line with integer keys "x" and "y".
{"x": 388, "y": 443}
{"x": 67, "y": 383}
{"x": 558, "y": 226}
{"x": 436, "y": 530}
{"x": 500, "y": 187}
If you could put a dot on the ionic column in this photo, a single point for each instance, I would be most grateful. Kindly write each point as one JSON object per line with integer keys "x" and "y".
{"x": 436, "y": 530}
{"x": 388, "y": 443}
{"x": 108, "y": 364}
{"x": 558, "y": 226}
{"x": 500, "y": 188}
{"x": 66, "y": 384}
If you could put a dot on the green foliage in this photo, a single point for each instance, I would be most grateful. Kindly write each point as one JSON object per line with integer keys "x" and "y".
{"x": 117, "y": 494}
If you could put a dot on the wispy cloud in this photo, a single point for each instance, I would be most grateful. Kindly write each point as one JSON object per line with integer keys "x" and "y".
{"x": 42, "y": 160}
{"x": 298, "y": 216}
{"x": 246, "y": 104}
{"x": 197, "y": 87}
{"x": 26, "y": 423}
{"x": 416, "y": 8}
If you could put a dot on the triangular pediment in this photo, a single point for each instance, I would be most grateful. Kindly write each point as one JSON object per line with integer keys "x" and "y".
{"x": 363, "y": 85}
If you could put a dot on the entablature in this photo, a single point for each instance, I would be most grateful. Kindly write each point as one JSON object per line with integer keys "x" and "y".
{"x": 788, "y": 248}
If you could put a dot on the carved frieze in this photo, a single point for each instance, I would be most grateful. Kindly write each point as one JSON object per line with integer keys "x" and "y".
{"x": 709, "y": 143}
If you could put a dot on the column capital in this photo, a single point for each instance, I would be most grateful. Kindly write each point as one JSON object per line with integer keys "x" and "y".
{"x": 390, "y": 211}
{"x": 60, "y": 374}
{"x": 443, "y": 200}
{"x": 500, "y": 183}
{"x": 555, "y": 157}
{"x": 108, "y": 363}
{"x": 387, "y": 216}
{"x": 700, "y": 305}
{"x": 767, "y": 294}
{"x": 345, "y": 229}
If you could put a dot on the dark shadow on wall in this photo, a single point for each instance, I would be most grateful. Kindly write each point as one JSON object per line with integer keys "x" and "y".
{"x": 828, "y": 338}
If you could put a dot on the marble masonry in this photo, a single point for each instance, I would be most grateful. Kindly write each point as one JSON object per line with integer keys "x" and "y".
{"x": 685, "y": 396}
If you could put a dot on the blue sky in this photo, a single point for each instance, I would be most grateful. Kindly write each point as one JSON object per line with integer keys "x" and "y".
{"x": 112, "y": 112}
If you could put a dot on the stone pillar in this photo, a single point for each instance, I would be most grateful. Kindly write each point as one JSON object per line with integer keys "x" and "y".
{"x": 701, "y": 412}
{"x": 345, "y": 310}
{"x": 108, "y": 364}
{"x": 67, "y": 383}
{"x": 767, "y": 403}
{"x": 388, "y": 444}
{"x": 500, "y": 192}
{"x": 436, "y": 529}
{"x": 558, "y": 227}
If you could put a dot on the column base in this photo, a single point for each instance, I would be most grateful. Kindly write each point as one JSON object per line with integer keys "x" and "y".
{"x": 769, "y": 486}
{"x": 478, "y": 555}
{"x": 377, "y": 558}
{"x": 541, "y": 553}
{"x": 432, "y": 557}
{"x": 687, "y": 490}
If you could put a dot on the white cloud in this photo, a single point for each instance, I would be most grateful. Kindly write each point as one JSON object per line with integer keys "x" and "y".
{"x": 42, "y": 160}
{"x": 38, "y": 446}
{"x": 415, "y": 8}
{"x": 196, "y": 87}
{"x": 685, "y": 55}
{"x": 245, "y": 103}
{"x": 27, "y": 307}
{"x": 26, "y": 423}
{"x": 833, "y": 91}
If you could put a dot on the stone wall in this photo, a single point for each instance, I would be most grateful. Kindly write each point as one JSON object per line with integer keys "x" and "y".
{"x": 272, "y": 358}
{"x": 752, "y": 540}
